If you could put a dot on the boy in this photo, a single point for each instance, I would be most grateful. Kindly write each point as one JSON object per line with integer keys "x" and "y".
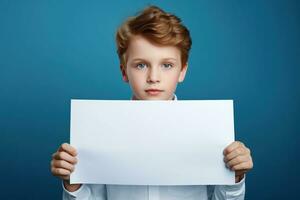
{"x": 153, "y": 49}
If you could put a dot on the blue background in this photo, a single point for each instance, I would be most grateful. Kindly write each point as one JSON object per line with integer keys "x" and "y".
{"x": 52, "y": 51}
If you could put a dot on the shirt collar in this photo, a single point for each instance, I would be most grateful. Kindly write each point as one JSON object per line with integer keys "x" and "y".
{"x": 175, "y": 97}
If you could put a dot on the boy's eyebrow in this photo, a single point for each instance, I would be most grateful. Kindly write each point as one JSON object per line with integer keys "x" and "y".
{"x": 138, "y": 59}
{"x": 164, "y": 59}
{"x": 174, "y": 59}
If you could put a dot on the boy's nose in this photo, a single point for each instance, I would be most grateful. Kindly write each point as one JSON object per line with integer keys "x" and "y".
{"x": 153, "y": 75}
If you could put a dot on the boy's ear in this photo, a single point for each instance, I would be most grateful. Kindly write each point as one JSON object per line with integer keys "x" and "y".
{"x": 124, "y": 75}
{"x": 182, "y": 73}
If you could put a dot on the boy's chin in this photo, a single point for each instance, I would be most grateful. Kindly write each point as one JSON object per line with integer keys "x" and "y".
{"x": 155, "y": 97}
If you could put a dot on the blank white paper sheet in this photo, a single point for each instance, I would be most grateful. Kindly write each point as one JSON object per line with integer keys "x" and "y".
{"x": 151, "y": 142}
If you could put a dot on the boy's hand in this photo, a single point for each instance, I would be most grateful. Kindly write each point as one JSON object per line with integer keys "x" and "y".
{"x": 238, "y": 158}
{"x": 63, "y": 164}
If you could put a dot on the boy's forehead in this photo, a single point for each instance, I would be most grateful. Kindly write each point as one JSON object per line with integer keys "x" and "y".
{"x": 140, "y": 47}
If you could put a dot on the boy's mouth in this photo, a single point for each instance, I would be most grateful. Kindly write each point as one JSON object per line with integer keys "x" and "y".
{"x": 153, "y": 92}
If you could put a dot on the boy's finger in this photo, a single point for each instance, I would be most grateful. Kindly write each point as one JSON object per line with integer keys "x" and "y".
{"x": 63, "y": 164}
{"x": 242, "y": 166}
{"x": 236, "y": 152}
{"x": 231, "y": 147}
{"x": 237, "y": 160}
{"x": 65, "y": 156}
{"x": 60, "y": 172}
{"x": 68, "y": 148}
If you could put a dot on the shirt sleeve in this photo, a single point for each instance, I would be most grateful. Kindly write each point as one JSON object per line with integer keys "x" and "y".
{"x": 229, "y": 192}
{"x": 86, "y": 192}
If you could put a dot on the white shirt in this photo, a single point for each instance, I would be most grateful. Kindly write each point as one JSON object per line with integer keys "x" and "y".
{"x": 149, "y": 192}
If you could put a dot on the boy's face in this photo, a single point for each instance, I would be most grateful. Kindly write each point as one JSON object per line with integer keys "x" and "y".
{"x": 152, "y": 71}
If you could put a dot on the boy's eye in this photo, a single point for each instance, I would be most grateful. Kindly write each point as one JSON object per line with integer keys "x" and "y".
{"x": 167, "y": 65}
{"x": 141, "y": 65}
